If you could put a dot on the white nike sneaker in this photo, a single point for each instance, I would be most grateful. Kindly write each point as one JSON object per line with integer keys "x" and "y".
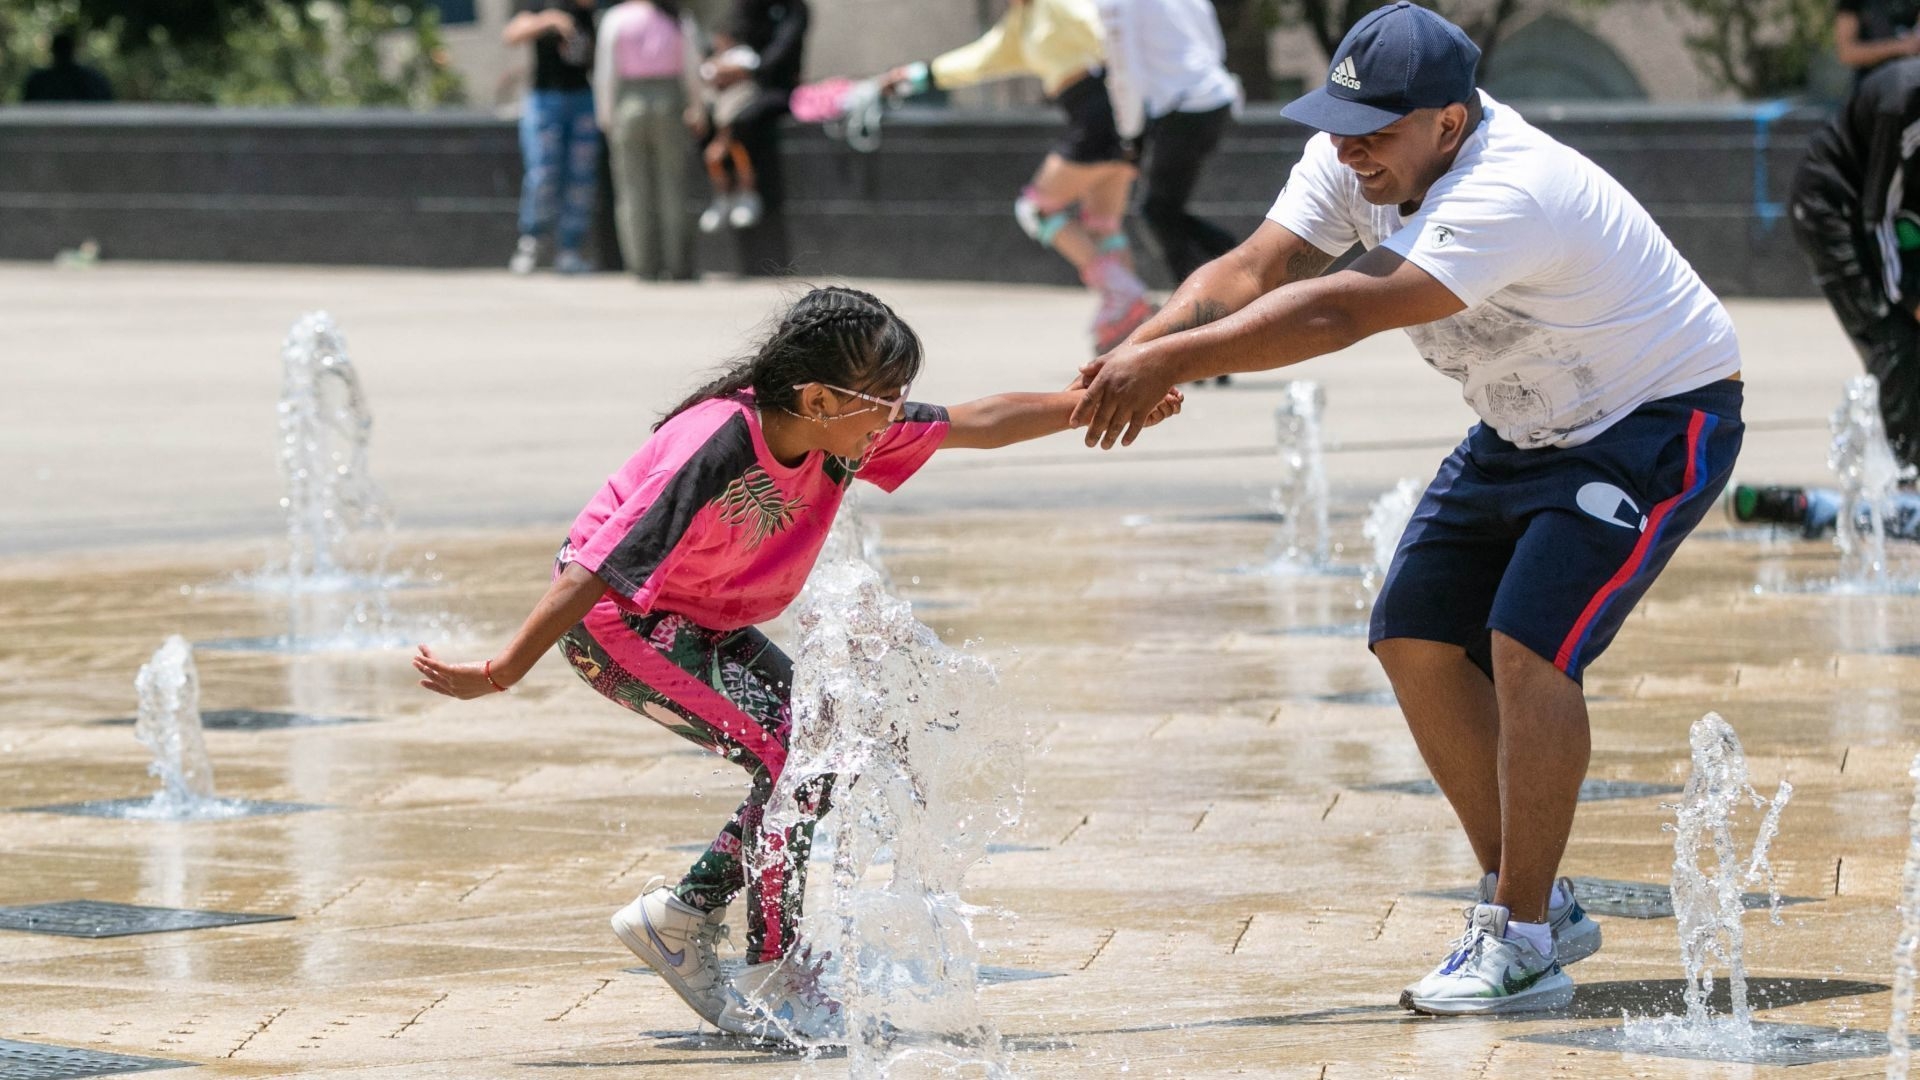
{"x": 1490, "y": 973}
{"x": 680, "y": 942}
{"x": 782, "y": 1001}
{"x": 1575, "y": 935}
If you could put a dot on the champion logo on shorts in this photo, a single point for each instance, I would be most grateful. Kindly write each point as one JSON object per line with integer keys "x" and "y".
{"x": 1345, "y": 74}
{"x": 1611, "y": 505}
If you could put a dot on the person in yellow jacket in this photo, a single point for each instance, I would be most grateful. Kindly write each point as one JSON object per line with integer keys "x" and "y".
{"x": 1088, "y": 167}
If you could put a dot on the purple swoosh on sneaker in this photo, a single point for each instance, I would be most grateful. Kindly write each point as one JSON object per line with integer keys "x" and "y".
{"x": 674, "y": 958}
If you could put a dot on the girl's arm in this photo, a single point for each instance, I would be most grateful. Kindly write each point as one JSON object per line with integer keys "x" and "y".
{"x": 568, "y": 600}
{"x": 1005, "y": 419}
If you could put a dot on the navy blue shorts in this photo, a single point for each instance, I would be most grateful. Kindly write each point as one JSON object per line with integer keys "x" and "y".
{"x": 1553, "y": 547}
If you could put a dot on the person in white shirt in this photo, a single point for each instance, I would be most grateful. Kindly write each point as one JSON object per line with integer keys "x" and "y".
{"x": 1173, "y": 99}
{"x": 1606, "y": 378}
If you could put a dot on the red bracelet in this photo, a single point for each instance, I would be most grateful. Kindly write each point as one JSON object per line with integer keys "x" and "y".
{"x": 488, "y": 669}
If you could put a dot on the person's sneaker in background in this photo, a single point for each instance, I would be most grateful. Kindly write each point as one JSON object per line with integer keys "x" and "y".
{"x": 746, "y": 211}
{"x": 526, "y": 256}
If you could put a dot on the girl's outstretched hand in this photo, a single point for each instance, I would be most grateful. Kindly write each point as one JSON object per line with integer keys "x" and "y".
{"x": 463, "y": 681}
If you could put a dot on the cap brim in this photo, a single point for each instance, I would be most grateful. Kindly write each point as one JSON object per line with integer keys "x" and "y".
{"x": 1322, "y": 111}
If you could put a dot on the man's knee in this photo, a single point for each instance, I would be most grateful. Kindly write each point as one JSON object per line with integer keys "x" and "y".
{"x": 1040, "y": 217}
{"x": 1404, "y": 657}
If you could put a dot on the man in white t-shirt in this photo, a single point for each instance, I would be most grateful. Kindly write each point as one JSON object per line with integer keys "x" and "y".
{"x": 1606, "y": 377}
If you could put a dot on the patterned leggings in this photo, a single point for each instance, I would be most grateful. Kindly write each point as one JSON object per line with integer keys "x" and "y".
{"x": 727, "y": 691}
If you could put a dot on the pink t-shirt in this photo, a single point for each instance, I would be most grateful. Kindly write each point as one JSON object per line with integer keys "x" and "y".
{"x": 703, "y": 521}
{"x": 647, "y": 43}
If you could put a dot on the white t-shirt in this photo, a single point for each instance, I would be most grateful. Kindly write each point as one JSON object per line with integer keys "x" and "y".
{"x": 1578, "y": 308}
{"x": 1164, "y": 56}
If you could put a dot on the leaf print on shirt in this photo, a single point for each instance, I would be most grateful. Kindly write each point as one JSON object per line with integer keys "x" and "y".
{"x": 754, "y": 500}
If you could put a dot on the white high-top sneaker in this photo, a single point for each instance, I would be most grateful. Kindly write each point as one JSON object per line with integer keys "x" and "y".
{"x": 782, "y": 1001}
{"x": 680, "y": 942}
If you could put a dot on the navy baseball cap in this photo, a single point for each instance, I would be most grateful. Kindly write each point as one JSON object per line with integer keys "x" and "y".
{"x": 1399, "y": 58}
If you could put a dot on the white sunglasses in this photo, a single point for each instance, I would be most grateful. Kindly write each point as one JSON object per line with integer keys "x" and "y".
{"x": 894, "y": 405}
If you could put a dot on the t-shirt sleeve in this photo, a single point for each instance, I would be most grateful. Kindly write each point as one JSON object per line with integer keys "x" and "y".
{"x": 902, "y": 448}
{"x": 636, "y": 547}
{"x": 1313, "y": 204}
{"x": 1477, "y": 238}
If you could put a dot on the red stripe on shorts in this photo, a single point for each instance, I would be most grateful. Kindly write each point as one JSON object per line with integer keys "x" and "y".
{"x": 1563, "y": 659}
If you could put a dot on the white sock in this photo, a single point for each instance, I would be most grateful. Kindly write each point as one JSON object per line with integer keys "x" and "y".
{"x": 1559, "y": 897}
{"x": 1537, "y": 934}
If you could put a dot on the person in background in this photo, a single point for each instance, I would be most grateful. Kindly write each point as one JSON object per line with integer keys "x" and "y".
{"x": 67, "y": 79}
{"x": 1868, "y": 33}
{"x": 645, "y": 96}
{"x": 775, "y": 31}
{"x": 736, "y": 197}
{"x": 1076, "y": 203}
{"x": 559, "y": 141}
{"x": 1172, "y": 100}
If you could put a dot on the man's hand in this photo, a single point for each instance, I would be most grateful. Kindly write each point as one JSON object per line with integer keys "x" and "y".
{"x": 725, "y": 75}
{"x": 1124, "y": 390}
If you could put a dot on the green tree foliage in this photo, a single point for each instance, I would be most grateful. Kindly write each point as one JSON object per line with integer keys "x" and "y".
{"x": 1760, "y": 48}
{"x": 243, "y": 52}
{"x": 1329, "y": 20}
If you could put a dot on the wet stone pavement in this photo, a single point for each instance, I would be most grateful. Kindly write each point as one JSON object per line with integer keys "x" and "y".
{"x": 1228, "y": 864}
{"x": 1220, "y": 871}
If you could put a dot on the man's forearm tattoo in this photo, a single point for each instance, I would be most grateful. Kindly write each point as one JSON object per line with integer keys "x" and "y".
{"x": 1204, "y": 311}
{"x": 1307, "y": 263}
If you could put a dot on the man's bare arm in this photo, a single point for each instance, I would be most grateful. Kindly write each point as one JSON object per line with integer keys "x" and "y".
{"x": 1273, "y": 256}
{"x": 1380, "y": 291}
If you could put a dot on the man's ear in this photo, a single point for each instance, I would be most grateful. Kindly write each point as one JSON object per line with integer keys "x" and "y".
{"x": 1453, "y": 126}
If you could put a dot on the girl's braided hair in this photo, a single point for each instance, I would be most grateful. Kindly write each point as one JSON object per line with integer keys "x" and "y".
{"x": 833, "y": 335}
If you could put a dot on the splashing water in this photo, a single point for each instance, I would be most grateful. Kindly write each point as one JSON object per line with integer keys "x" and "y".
{"x": 1900, "y": 1021}
{"x": 168, "y": 724}
{"x": 928, "y": 768}
{"x": 1301, "y": 496}
{"x": 1386, "y": 520}
{"x": 1707, "y": 898}
{"x": 325, "y": 427}
{"x": 1867, "y": 470}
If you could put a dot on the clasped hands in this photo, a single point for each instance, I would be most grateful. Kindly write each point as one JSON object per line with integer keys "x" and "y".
{"x": 1126, "y": 393}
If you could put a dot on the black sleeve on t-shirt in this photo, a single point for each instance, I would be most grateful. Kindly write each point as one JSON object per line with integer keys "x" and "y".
{"x": 1849, "y": 6}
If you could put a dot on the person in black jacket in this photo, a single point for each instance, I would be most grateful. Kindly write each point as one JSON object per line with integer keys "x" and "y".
{"x": 1855, "y": 207}
{"x": 775, "y": 30}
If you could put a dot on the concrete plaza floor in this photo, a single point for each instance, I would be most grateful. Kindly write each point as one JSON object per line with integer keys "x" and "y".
{"x": 1215, "y": 874}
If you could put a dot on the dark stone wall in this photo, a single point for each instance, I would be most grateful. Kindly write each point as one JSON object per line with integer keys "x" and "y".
{"x": 404, "y": 189}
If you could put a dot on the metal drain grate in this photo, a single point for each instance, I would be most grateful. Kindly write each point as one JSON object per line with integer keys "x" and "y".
{"x": 994, "y": 976}
{"x": 1590, "y": 790}
{"x": 101, "y": 919}
{"x": 256, "y": 720}
{"x": 1358, "y": 697}
{"x": 1773, "y": 1044}
{"x": 1630, "y": 899}
{"x": 39, "y": 1061}
{"x": 142, "y": 809}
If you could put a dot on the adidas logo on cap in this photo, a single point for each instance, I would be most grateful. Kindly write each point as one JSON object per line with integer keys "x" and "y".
{"x": 1345, "y": 75}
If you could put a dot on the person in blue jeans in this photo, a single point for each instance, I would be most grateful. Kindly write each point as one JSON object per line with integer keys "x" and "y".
{"x": 559, "y": 139}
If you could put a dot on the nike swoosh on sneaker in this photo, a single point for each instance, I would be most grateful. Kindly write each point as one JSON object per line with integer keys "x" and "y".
{"x": 1514, "y": 986}
{"x": 674, "y": 958}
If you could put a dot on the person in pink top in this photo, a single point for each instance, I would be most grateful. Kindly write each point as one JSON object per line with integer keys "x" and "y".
{"x": 645, "y": 90}
{"x": 711, "y": 528}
